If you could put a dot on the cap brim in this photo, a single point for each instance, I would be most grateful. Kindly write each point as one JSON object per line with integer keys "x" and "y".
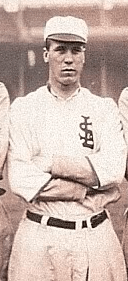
{"x": 67, "y": 38}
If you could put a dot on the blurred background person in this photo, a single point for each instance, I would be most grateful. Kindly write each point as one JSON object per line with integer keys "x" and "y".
{"x": 6, "y": 230}
{"x": 123, "y": 107}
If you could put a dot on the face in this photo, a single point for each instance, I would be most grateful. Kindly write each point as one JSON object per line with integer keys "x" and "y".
{"x": 65, "y": 62}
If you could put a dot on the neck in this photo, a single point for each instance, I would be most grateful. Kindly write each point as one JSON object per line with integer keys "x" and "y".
{"x": 62, "y": 90}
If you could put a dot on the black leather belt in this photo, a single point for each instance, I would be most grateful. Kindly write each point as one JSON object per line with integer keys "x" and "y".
{"x": 94, "y": 221}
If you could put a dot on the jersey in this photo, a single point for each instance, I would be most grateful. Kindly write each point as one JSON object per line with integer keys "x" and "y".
{"x": 43, "y": 125}
{"x": 4, "y": 124}
{"x": 123, "y": 108}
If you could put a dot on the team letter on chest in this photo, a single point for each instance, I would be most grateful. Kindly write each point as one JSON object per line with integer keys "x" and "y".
{"x": 87, "y": 135}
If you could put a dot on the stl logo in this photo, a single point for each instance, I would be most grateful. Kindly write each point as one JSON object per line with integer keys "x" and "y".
{"x": 87, "y": 135}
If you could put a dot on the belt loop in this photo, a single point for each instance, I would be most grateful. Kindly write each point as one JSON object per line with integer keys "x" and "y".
{"x": 89, "y": 226}
{"x": 44, "y": 220}
{"x": 78, "y": 224}
{"x": 108, "y": 214}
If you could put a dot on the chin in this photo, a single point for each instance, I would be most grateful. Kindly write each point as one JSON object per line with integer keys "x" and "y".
{"x": 68, "y": 81}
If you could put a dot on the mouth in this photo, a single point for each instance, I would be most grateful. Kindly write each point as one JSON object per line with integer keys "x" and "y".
{"x": 68, "y": 72}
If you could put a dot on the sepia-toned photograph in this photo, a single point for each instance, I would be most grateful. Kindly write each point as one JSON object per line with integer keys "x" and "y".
{"x": 63, "y": 140}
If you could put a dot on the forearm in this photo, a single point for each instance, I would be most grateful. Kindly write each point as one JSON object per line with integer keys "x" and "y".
{"x": 62, "y": 190}
{"x": 25, "y": 178}
{"x": 77, "y": 170}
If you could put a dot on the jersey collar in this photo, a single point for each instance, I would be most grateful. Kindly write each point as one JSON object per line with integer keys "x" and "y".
{"x": 57, "y": 96}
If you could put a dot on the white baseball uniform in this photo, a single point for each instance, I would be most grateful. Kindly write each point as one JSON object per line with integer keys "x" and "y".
{"x": 4, "y": 124}
{"x": 123, "y": 108}
{"x": 49, "y": 140}
{"x": 6, "y": 232}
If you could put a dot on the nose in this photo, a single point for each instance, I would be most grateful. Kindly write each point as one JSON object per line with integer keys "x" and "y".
{"x": 68, "y": 57}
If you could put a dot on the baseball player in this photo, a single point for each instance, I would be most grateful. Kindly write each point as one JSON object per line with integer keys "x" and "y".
{"x": 123, "y": 107}
{"x": 66, "y": 157}
{"x": 4, "y": 125}
{"x": 5, "y": 224}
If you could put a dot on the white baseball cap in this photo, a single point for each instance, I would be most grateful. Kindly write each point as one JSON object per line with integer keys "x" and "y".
{"x": 66, "y": 28}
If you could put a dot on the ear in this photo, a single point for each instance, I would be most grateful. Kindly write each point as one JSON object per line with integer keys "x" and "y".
{"x": 46, "y": 55}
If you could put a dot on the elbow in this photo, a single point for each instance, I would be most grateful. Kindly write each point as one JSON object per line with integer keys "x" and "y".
{"x": 112, "y": 176}
{"x": 17, "y": 187}
{"x": 117, "y": 177}
{"x": 14, "y": 184}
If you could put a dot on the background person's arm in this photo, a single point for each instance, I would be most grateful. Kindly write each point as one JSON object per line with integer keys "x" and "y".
{"x": 4, "y": 125}
{"x": 123, "y": 108}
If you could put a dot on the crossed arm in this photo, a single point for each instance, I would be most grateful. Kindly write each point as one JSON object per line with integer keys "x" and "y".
{"x": 59, "y": 176}
{"x": 70, "y": 181}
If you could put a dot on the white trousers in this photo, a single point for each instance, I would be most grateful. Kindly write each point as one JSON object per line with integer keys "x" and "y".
{"x": 46, "y": 253}
{"x": 6, "y": 240}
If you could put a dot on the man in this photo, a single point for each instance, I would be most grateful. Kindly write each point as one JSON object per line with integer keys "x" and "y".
{"x": 66, "y": 158}
{"x": 4, "y": 125}
{"x": 5, "y": 224}
{"x": 123, "y": 107}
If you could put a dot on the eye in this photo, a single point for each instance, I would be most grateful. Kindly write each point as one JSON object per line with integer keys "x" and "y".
{"x": 76, "y": 50}
{"x": 60, "y": 49}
